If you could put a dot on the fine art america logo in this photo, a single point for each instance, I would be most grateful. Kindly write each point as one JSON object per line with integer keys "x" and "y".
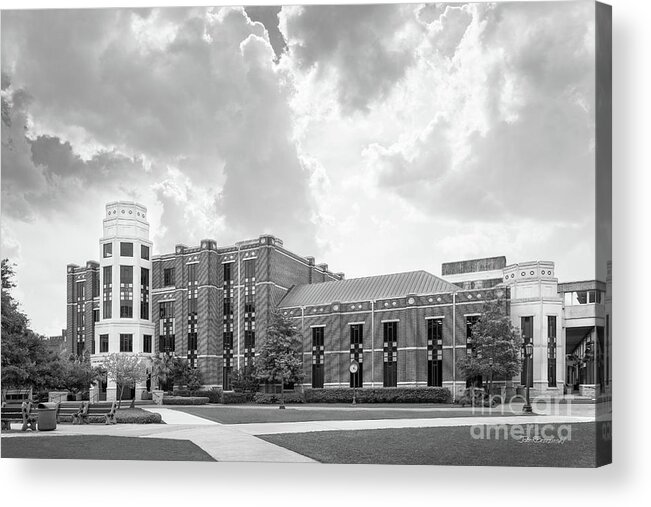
{"x": 526, "y": 433}
{"x": 523, "y": 433}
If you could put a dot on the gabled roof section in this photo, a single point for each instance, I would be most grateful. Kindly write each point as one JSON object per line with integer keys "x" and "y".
{"x": 366, "y": 289}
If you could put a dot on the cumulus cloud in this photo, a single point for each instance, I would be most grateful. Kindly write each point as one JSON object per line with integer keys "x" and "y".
{"x": 527, "y": 143}
{"x": 365, "y": 49}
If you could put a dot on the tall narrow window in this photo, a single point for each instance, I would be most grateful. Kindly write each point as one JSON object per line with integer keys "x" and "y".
{"x": 192, "y": 315}
{"x": 81, "y": 317}
{"x": 168, "y": 277}
{"x": 435, "y": 352}
{"x": 146, "y": 343}
{"x": 227, "y": 371}
{"x": 144, "y": 293}
{"x": 107, "y": 250}
{"x": 126, "y": 343}
{"x": 107, "y": 292}
{"x": 317, "y": 356}
{"x": 126, "y": 249}
{"x": 471, "y": 320}
{"x": 526, "y": 327}
{"x": 126, "y": 292}
{"x": 227, "y": 327}
{"x": 103, "y": 343}
{"x": 167, "y": 327}
{"x": 95, "y": 285}
{"x": 357, "y": 354}
{"x": 390, "y": 354}
{"x": 144, "y": 252}
{"x": 249, "y": 312}
{"x": 551, "y": 351}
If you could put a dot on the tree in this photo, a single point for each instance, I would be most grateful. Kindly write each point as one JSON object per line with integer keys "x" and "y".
{"x": 77, "y": 374}
{"x": 243, "y": 380}
{"x": 496, "y": 346}
{"x": 279, "y": 359}
{"x": 125, "y": 369}
{"x": 166, "y": 368}
{"x": 191, "y": 378}
{"x": 26, "y": 361}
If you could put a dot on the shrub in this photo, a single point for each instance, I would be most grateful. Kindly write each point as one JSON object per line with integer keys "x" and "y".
{"x": 379, "y": 395}
{"x": 229, "y": 397}
{"x": 214, "y": 395}
{"x": 184, "y": 400}
{"x": 273, "y": 398}
{"x": 136, "y": 416}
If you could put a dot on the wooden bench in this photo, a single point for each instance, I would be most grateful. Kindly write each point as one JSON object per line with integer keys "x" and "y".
{"x": 107, "y": 410}
{"x": 22, "y": 413}
{"x": 69, "y": 409}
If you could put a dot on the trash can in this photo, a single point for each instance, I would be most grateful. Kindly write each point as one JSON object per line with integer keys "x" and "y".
{"x": 47, "y": 416}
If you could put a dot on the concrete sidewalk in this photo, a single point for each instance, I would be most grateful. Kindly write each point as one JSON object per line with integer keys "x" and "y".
{"x": 312, "y": 426}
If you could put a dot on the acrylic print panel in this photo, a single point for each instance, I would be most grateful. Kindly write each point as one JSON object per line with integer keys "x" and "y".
{"x": 343, "y": 234}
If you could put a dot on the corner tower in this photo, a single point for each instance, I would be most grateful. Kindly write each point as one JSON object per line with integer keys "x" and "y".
{"x": 125, "y": 324}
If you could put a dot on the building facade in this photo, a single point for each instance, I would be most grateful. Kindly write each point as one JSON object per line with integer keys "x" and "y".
{"x": 211, "y": 304}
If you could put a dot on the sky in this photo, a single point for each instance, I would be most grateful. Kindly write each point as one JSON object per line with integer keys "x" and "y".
{"x": 377, "y": 138}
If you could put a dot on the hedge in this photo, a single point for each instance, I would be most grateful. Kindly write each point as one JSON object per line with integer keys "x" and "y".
{"x": 184, "y": 400}
{"x": 230, "y": 397}
{"x": 214, "y": 395}
{"x": 379, "y": 395}
{"x": 274, "y": 398}
{"x": 136, "y": 416}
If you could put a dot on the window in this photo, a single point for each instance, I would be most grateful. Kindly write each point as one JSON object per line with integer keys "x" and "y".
{"x": 103, "y": 343}
{"x": 126, "y": 343}
{"x": 390, "y": 356}
{"x": 144, "y": 293}
{"x": 107, "y": 250}
{"x": 228, "y": 360}
{"x": 81, "y": 291}
{"x": 126, "y": 249}
{"x": 146, "y": 343}
{"x": 471, "y": 320}
{"x": 583, "y": 297}
{"x": 107, "y": 291}
{"x": 551, "y": 351}
{"x": 357, "y": 354}
{"x": 249, "y": 348}
{"x": 144, "y": 252}
{"x": 249, "y": 270}
{"x": 167, "y": 327}
{"x": 526, "y": 327}
{"x": 228, "y": 272}
{"x": 317, "y": 356}
{"x": 96, "y": 315}
{"x": 192, "y": 274}
{"x": 95, "y": 285}
{"x": 126, "y": 292}
{"x": 435, "y": 352}
{"x": 168, "y": 277}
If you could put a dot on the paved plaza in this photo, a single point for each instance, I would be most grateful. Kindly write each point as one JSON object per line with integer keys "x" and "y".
{"x": 240, "y": 442}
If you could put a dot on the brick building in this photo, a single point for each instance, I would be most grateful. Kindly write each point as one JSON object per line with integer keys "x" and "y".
{"x": 211, "y": 305}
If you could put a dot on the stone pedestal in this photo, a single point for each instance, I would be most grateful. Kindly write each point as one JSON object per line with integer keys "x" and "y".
{"x": 157, "y": 396}
{"x": 589, "y": 390}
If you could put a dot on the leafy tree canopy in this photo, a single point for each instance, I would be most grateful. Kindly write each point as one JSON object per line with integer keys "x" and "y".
{"x": 493, "y": 337}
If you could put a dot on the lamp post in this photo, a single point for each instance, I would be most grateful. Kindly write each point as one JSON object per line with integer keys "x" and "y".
{"x": 353, "y": 368}
{"x": 527, "y": 351}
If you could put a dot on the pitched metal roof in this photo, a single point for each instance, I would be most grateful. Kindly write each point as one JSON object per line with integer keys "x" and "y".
{"x": 367, "y": 288}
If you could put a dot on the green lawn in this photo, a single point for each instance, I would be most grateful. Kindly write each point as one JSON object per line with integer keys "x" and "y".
{"x": 102, "y": 447}
{"x": 439, "y": 446}
{"x": 227, "y": 414}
